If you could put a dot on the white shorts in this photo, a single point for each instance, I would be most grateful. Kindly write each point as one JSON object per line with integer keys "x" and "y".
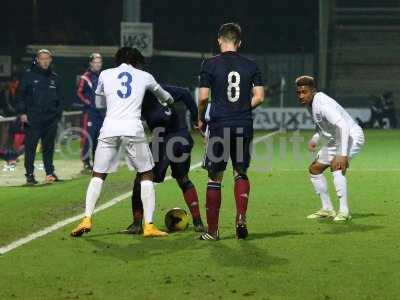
{"x": 110, "y": 150}
{"x": 329, "y": 151}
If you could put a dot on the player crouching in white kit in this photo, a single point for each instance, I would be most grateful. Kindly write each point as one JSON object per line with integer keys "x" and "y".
{"x": 343, "y": 140}
{"x": 124, "y": 88}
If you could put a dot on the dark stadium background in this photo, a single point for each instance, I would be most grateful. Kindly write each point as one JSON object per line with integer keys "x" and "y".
{"x": 275, "y": 27}
{"x": 269, "y": 26}
{"x": 356, "y": 63}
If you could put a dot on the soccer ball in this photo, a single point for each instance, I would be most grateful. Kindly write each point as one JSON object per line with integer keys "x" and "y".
{"x": 176, "y": 219}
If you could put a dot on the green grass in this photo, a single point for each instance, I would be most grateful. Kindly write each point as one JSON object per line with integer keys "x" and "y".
{"x": 285, "y": 257}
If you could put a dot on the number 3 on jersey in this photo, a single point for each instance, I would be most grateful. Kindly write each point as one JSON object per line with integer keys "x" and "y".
{"x": 126, "y": 83}
{"x": 233, "y": 86}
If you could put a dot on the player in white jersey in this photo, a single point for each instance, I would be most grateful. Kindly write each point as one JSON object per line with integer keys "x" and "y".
{"x": 342, "y": 139}
{"x": 124, "y": 88}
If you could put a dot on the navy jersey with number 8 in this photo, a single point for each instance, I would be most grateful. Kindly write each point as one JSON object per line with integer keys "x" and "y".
{"x": 231, "y": 78}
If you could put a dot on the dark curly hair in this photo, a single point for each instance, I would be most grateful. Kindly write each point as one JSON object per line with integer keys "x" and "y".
{"x": 130, "y": 56}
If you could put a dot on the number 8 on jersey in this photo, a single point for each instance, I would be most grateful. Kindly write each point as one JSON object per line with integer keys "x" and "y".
{"x": 233, "y": 86}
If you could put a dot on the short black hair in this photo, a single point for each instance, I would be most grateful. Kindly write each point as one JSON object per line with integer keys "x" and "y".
{"x": 230, "y": 32}
{"x": 129, "y": 55}
{"x": 305, "y": 80}
{"x": 138, "y": 58}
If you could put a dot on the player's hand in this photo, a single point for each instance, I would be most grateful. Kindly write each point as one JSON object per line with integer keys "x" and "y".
{"x": 23, "y": 118}
{"x": 312, "y": 146}
{"x": 205, "y": 140}
{"x": 340, "y": 163}
{"x": 167, "y": 102}
{"x": 170, "y": 101}
{"x": 199, "y": 126}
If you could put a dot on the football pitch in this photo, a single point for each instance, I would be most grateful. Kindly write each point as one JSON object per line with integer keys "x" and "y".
{"x": 285, "y": 257}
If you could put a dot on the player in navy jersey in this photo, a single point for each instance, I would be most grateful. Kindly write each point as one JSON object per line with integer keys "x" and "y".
{"x": 171, "y": 147}
{"x": 236, "y": 88}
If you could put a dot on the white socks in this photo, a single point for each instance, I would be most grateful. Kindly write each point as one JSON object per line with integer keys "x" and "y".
{"x": 321, "y": 188}
{"x": 92, "y": 194}
{"x": 148, "y": 195}
{"x": 340, "y": 182}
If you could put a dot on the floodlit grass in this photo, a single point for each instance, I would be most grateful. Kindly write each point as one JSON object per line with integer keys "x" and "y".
{"x": 285, "y": 256}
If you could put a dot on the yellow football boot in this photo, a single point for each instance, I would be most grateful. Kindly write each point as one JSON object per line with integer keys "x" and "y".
{"x": 150, "y": 230}
{"x": 83, "y": 227}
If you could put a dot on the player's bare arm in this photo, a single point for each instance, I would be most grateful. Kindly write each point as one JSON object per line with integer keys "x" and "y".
{"x": 312, "y": 146}
{"x": 313, "y": 142}
{"x": 204, "y": 94}
{"x": 162, "y": 95}
{"x": 258, "y": 96}
{"x": 340, "y": 163}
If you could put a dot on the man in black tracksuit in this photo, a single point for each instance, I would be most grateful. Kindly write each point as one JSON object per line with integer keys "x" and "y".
{"x": 39, "y": 104}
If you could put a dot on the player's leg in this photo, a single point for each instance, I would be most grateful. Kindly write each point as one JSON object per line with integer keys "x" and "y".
{"x": 339, "y": 176}
{"x": 213, "y": 205}
{"x": 159, "y": 171}
{"x": 93, "y": 192}
{"x": 140, "y": 158}
{"x": 94, "y": 131}
{"x": 240, "y": 155}
{"x": 85, "y": 143}
{"x": 137, "y": 205}
{"x": 48, "y": 141}
{"x": 242, "y": 193}
{"x": 148, "y": 196}
{"x": 136, "y": 227}
{"x": 106, "y": 161}
{"x": 32, "y": 135}
{"x": 340, "y": 182}
{"x": 192, "y": 201}
{"x": 180, "y": 166}
{"x": 92, "y": 195}
{"x": 215, "y": 162}
{"x": 320, "y": 184}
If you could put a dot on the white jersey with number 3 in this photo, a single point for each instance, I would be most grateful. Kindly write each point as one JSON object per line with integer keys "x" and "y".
{"x": 124, "y": 88}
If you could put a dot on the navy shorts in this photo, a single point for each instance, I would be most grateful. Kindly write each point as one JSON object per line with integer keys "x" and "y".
{"x": 228, "y": 142}
{"x": 172, "y": 150}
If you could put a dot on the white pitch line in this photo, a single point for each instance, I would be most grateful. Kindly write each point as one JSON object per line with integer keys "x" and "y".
{"x": 112, "y": 202}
